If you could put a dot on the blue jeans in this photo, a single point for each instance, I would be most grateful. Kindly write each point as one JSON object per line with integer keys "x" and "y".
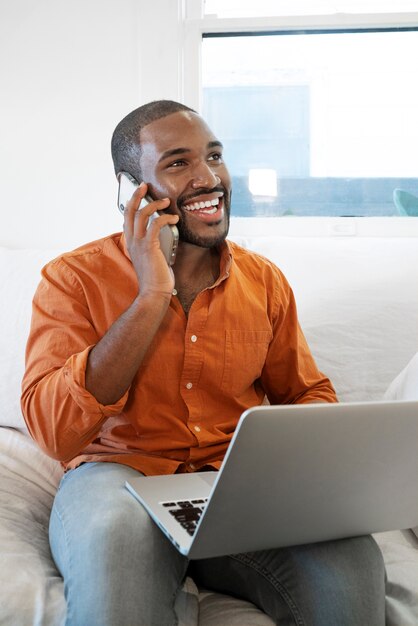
{"x": 120, "y": 570}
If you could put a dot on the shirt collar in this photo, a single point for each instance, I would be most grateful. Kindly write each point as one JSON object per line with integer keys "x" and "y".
{"x": 225, "y": 254}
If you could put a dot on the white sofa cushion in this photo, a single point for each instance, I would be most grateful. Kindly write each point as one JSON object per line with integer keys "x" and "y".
{"x": 31, "y": 589}
{"x": 19, "y": 276}
{"x": 405, "y": 387}
{"x": 357, "y": 301}
{"x": 358, "y": 304}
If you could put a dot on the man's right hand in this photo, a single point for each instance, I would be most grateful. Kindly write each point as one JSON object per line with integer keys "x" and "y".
{"x": 155, "y": 277}
{"x": 115, "y": 359}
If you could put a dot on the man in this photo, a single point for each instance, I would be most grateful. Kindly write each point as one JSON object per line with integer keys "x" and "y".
{"x": 136, "y": 367}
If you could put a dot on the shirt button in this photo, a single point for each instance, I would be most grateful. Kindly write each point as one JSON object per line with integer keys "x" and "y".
{"x": 189, "y": 385}
{"x": 193, "y": 338}
{"x": 197, "y": 429}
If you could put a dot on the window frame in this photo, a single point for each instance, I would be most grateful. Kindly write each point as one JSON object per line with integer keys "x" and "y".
{"x": 176, "y": 55}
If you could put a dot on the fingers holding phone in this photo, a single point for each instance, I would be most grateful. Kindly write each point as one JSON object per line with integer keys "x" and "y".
{"x": 151, "y": 237}
{"x": 141, "y": 211}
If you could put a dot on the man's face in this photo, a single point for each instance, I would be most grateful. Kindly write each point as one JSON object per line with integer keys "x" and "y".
{"x": 181, "y": 159}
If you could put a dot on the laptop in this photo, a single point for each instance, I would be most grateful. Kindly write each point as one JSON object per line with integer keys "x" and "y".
{"x": 294, "y": 474}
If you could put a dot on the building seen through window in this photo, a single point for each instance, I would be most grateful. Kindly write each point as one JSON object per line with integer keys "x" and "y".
{"x": 319, "y": 123}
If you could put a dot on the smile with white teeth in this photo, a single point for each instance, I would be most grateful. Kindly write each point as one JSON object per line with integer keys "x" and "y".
{"x": 210, "y": 205}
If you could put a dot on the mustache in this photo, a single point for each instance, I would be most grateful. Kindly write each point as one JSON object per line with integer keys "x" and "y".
{"x": 201, "y": 192}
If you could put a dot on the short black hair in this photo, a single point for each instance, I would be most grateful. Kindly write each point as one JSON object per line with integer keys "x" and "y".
{"x": 126, "y": 148}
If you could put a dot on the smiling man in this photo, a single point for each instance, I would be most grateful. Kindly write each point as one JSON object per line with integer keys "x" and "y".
{"x": 135, "y": 366}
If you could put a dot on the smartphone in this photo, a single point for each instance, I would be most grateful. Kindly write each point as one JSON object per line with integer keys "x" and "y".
{"x": 169, "y": 234}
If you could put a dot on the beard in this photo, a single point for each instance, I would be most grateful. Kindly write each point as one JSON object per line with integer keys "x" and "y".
{"x": 187, "y": 234}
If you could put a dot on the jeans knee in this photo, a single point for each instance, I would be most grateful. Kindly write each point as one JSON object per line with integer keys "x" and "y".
{"x": 366, "y": 553}
{"x": 94, "y": 513}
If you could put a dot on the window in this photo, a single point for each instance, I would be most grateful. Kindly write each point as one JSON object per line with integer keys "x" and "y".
{"x": 315, "y": 122}
{"x": 316, "y": 101}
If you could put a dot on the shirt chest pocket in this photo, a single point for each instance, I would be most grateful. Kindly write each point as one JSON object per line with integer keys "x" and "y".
{"x": 245, "y": 355}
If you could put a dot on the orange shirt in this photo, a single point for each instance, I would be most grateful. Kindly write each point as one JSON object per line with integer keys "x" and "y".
{"x": 240, "y": 342}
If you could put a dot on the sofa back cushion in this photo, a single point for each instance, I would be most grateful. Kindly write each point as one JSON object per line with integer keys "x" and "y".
{"x": 357, "y": 300}
{"x": 19, "y": 276}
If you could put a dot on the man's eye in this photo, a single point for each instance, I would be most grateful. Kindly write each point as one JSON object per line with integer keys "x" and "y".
{"x": 177, "y": 163}
{"x": 216, "y": 156}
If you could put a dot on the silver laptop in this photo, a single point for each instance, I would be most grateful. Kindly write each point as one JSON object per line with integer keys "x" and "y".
{"x": 292, "y": 475}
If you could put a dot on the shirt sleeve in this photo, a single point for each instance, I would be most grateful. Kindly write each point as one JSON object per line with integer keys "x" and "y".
{"x": 290, "y": 374}
{"x": 61, "y": 415}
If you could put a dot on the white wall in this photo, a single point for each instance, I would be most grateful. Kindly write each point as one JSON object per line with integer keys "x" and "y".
{"x": 69, "y": 72}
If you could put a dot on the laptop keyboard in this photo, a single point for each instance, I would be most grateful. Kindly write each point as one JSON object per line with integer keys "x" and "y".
{"x": 186, "y": 512}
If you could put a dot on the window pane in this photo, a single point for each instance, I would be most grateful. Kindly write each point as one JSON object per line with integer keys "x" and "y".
{"x": 327, "y": 120}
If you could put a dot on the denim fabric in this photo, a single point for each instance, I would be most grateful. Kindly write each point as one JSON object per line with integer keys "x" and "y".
{"x": 120, "y": 570}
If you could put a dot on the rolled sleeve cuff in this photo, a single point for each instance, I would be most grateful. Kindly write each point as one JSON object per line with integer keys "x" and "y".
{"x": 75, "y": 376}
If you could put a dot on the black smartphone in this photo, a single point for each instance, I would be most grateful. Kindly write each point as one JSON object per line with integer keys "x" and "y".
{"x": 169, "y": 234}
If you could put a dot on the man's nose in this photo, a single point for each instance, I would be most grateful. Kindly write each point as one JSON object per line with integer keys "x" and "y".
{"x": 204, "y": 176}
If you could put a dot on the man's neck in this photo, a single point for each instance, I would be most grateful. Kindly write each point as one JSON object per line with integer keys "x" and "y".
{"x": 193, "y": 262}
{"x": 195, "y": 269}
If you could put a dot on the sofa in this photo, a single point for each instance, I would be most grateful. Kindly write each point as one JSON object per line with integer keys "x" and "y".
{"x": 358, "y": 306}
